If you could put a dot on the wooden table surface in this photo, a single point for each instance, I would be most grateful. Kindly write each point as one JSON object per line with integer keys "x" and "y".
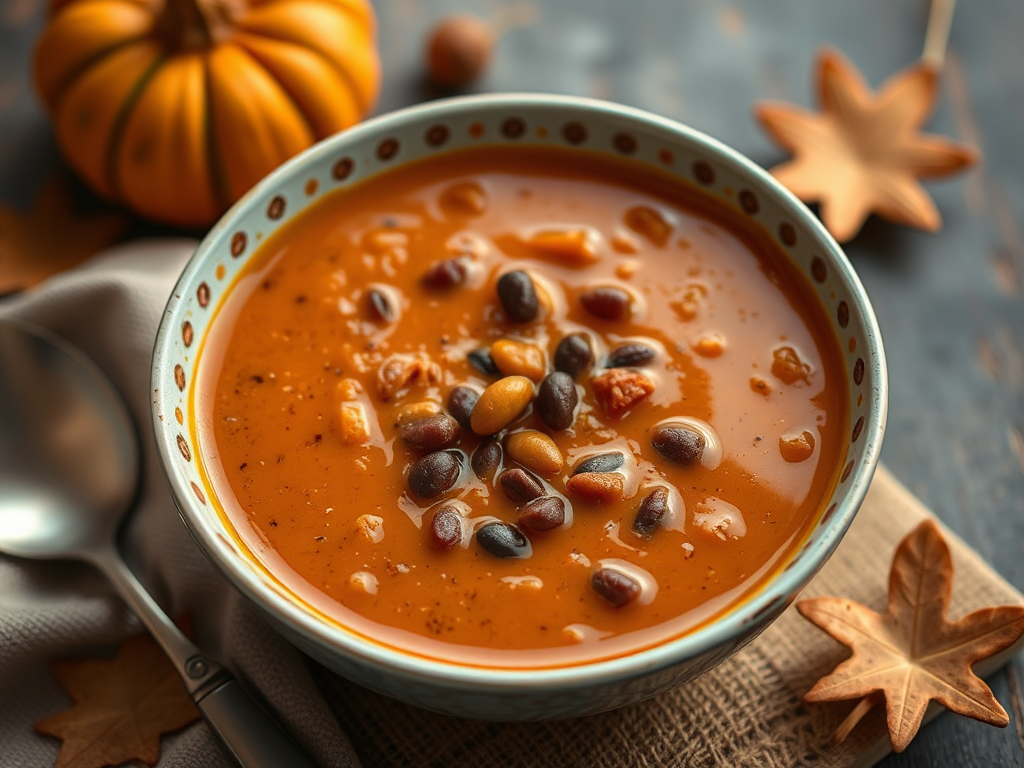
{"x": 949, "y": 304}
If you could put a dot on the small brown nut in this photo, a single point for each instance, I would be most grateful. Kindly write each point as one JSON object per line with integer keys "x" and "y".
{"x": 432, "y": 433}
{"x": 607, "y": 303}
{"x": 446, "y": 273}
{"x": 614, "y": 586}
{"x": 679, "y": 443}
{"x": 649, "y": 222}
{"x": 651, "y": 510}
{"x": 536, "y": 451}
{"x": 596, "y": 486}
{"x": 543, "y": 514}
{"x": 500, "y": 403}
{"x": 446, "y": 528}
{"x": 517, "y": 358}
{"x": 573, "y": 355}
{"x": 520, "y": 486}
{"x": 435, "y": 473}
{"x": 486, "y": 458}
{"x": 458, "y": 50}
{"x": 620, "y": 388}
{"x": 797, "y": 448}
{"x": 461, "y": 401}
{"x": 556, "y": 401}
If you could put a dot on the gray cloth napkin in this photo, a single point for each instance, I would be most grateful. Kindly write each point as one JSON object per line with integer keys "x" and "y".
{"x": 110, "y": 308}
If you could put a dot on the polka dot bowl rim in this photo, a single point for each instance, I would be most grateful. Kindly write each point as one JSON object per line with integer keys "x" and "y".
{"x": 589, "y": 124}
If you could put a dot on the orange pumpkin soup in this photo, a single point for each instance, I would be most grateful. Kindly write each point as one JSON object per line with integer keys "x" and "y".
{"x": 521, "y": 407}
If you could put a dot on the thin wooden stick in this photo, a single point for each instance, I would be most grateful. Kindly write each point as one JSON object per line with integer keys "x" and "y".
{"x": 863, "y": 707}
{"x": 940, "y": 19}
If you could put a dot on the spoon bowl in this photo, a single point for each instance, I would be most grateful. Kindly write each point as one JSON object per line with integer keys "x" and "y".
{"x": 69, "y": 462}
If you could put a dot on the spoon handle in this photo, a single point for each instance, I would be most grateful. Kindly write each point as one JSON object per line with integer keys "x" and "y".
{"x": 251, "y": 736}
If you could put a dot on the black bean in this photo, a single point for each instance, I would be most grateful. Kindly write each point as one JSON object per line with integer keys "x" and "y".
{"x": 380, "y": 306}
{"x": 556, "y": 400}
{"x": 461, "y": 401}
{"x": 518, "y": 296}
{"x": 481, "y": 360}
{"x": 446, "y": 528}
{"x": 446, "y": 273}
{"x": 606, "y": 303}
{"x": 651, "y": 510}
{"x": 486, "y": 458}
{"x": 630, "y": 355}
{"x": 432, "y": 433}
{"x": 679, "y": 443}
{"x": 435, "y": 473}
{"x": 573, "y": 354}
{"x": 503, "y": 540}
{"x": 602, "y": 462}
{"x": 519, "y": 485}
{"x": 614, "y": 586}
{"x": 542, "y": 514}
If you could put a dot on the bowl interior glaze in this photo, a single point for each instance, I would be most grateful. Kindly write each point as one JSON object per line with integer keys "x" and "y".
{"x": 401, "y": 137}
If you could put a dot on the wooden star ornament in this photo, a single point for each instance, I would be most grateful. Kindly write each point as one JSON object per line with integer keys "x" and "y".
{"x": 863, "y": 152}
{"x": 912, "y": 653}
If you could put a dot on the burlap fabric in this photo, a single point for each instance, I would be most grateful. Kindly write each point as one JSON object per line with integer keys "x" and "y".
{"x": 745, "y": 713}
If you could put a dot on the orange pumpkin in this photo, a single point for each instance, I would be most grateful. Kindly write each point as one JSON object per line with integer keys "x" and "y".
{"x": 177, "y": 107}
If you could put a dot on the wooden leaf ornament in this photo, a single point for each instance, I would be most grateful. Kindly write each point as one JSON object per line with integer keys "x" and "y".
{"x": 121, "y": 708}
{"x": 177, "y": 107}
{"x": 912, "y": 653}
{"x": 863, "y": 153}
{"x": 50, "y": 237}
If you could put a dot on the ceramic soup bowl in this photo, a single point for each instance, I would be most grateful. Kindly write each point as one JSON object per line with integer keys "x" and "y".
{"x": 574, "y": 124}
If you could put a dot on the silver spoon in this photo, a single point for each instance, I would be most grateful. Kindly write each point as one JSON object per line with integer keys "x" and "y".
{"x": 69, "y": 469}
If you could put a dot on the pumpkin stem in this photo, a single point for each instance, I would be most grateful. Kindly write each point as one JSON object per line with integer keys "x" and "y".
{"x": 190, "y": 24}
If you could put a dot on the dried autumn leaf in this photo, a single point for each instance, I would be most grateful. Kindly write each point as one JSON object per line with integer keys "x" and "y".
{"x": 863, "y": 153}
{"x": 122, "y": 707}
{"x": 51, "y": 237}
{"x": 912, "y": 653}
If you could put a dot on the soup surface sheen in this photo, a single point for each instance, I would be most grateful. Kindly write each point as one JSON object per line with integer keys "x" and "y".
{"x": 343, "y": 330}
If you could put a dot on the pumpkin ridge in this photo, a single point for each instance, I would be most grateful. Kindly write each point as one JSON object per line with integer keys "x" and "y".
{"x": 67, "y": 82}
{"x": 291, "y": 100}
{"x": 117, "y": 132}
{"x": 364, "y": 107}
{"x": 217, "y": 173}
{"x": 343, "y": 76}
{"x": 58, "y": 90}
{"x": 366, "y": 28}
{"x": 365, "y": 19}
